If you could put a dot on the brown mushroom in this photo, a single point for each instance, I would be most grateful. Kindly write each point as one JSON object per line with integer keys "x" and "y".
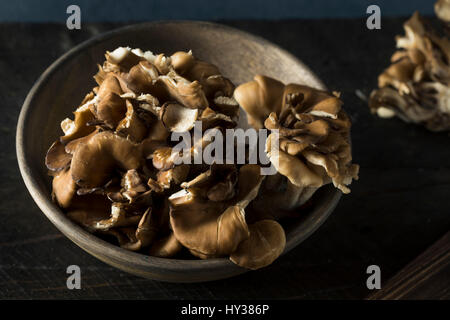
{"x": 266, "y": 242}
{"x": 165, "y": 247}
{"x": 213, "y": 228}
{"x": 123, "y": 57}
{"x": 77, "y": 128}
{"x": 306, "y": 122}
{"x": 131, "y": 126}
{"x": 209, "y": 76}
{"x": 57, "y": 158}
{"x": 259, "y": 98}
{"x": 187, "y": 93}
{"x": 94, "y": 161}
{"x": 64, "y": 188}
{"x": 416, "y": 86}
{"x": 177, "y": 118}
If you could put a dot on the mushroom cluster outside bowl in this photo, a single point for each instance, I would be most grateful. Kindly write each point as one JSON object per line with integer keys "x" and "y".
{"x": 62, "y": 86}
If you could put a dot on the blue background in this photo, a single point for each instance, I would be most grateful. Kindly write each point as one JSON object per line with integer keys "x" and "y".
{"x": 144, "y": 10}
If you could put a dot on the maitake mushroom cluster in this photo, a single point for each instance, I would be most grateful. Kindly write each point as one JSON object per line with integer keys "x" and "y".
{"x": 114, "y": 171}
{"x": 416, "y": 86}
{"x": 313, "y": 141}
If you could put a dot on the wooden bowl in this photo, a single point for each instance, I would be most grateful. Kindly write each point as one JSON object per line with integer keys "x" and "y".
{"x": 62, "y": 86}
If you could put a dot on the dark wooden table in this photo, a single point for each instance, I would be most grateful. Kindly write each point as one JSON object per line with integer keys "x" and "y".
{"x": 399, "y": 207}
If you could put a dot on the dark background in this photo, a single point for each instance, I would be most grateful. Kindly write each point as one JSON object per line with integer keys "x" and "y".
{"x": 396, "y": 210}
{"x": 145, "y": 10}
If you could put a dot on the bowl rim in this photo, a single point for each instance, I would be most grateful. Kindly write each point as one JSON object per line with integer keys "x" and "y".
{"x": 101, "y": 248}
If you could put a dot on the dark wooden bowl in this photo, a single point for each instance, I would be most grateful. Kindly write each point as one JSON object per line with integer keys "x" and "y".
{"x": 62, "y": 86}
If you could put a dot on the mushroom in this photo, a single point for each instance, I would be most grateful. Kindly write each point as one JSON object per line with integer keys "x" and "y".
{"x": 57, "y": 158}
{"x": 165, "y": 247}
{"x": 265, "y": 243}
{"x": 122, "y": 58}
{"x": 77, "y": 128}
{"x": 227, "y": 106}
{"x": 187, "y": 93}
{"x": 163, "y": 158}
{"x": 207, "y": 74}
{"x": 177, "y": 118}
{"x": 145, "y": 233}
{"x": 131, "y": 125}
{"x": 118, "y": 218}
{"x": 94, "y": 161}
{"x": 442, "y": 10}
{"x": 310, "y": 125}
{"x": 259, "y": 98}
{"x": 64, "y": 188}
{"x": 416, "y": 86}
{"x": 141, "y": 78}
{"x": 175, "y": 176}
{"x": 88, "y": 210}
{"x": 213, "y": 228}
{"x": 104, "y": 179}
{"x": 110, "y": 110}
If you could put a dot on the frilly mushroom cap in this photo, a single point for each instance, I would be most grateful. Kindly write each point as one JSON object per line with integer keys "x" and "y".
{"x": 177, "y": 118}
{"x": 187, "y": 93}
{"x": 140, "y": 78}
{"x": 131, "y": 125}
{"x": 266, "y": 243}
{"x": 64, "y": 188}
{"x": 207, "y": 74}
{"x": 94, "y": 161}
{"x": 77, "y": 128}
{"x": 110, "y": 110}
{"x": 208, "y": 224}
{"x": 309, "y": 122}
{"x": 259, "y": 98}
{"x": 416, "y": 86}
{"x": 207, "y": 227}
{"x": 57, "y": 158}
{"x": 123, "y": 58}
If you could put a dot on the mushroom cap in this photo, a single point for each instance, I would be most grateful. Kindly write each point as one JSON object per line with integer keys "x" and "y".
{"x": 177, "y": 118}
{"x": 208, "y": 217}
{"x": 187, "y": 93}
{"x": 306, "y": 120}
{"x": 64, "y": 188}
{"x": 259, "y": 98}
{"x": 57, "y": 158}
{"x": 131, "y": 126}
{"x": 94, "y": 161}
{"x": 207, "y": 227}
{"x": 111, "y": 109}
{"x": 77, "y": 128}
{"x": 265, "y": 243}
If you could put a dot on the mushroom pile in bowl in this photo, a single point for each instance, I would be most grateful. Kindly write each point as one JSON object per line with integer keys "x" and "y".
{"x": 115, "y": 171}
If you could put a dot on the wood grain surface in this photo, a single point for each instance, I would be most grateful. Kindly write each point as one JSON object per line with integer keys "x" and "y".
{"x": 396, "y": 210}
{"x": 426, "y": 277}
